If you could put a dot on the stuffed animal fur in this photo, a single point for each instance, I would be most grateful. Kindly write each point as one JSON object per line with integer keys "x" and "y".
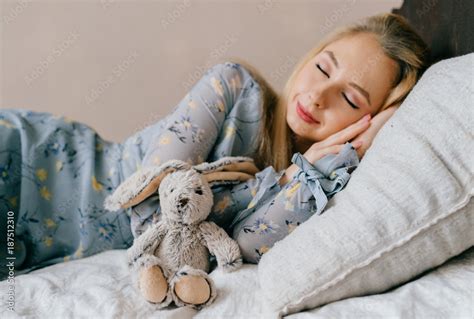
{"x": 170, "y": 260}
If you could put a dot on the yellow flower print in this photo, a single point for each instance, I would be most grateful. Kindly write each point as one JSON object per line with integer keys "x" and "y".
{"x": 291, "y": 226}
{"x": 223, "y": 204}
{"x": 229, "y": 132}
{"x": 235, "y": 82}
{"x": 44, "y": 192}
{"x": 192, "y": 104}
{"x": 263, "y": 226}
{"x": 156, "y": 160}
{"x": 67, "y": 258}
{"x": 251, "y": 204}
{"x": 263, "y": 249}
{"x": 217, "y": 86}
{"x": 125, "y": 155}
{"x": 253, "y": 191}
{"x": 289, "y": 206}
{"x": 59, "y": 166}
{"x": 186, "y": 124}
{"x": 49, "y": 222}
{"x": 165, "y": 140}
{"x": 48, "y": 241}
{"x": 78, "y": 253}
{"x": 42, "y": 174}
{"x": 13, "y": 201}
{"x": 220, "y": 106}
{"x": 6, "y": 123}
{"x": 139, "y": 166}
{"x": 96, "y": 185}
{"x": 292, "y": 190}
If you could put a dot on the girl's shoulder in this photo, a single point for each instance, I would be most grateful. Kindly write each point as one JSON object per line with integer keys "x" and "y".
{"x": 250, "y": 72}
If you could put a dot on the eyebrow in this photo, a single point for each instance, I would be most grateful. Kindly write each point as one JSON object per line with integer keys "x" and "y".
{"x": 357, "y": 87}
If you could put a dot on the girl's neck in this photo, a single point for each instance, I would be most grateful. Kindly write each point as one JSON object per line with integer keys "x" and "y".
{"x": 299, "y": 144}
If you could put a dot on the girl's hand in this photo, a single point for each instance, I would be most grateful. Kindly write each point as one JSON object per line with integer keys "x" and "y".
{"x": 366, "y": 137}
{"x": 334, "y": 143}
{"x": 331, "y": 145}
{"x": 360, "y": 135}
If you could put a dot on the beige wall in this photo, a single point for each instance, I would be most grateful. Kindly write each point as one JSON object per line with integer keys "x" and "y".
{"x": 121, "y": 65}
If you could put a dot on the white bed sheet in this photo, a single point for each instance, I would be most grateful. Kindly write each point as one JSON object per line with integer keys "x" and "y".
{"x": 99, "y": 287}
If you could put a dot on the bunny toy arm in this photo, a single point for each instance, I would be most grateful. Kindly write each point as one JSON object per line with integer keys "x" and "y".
{"x": 147, "y": 242}
{"x": 225, "y": 249}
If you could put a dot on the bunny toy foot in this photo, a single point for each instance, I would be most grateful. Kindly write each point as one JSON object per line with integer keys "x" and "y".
{"x": 153, "y": 284}
{"x": 192, "y": 287}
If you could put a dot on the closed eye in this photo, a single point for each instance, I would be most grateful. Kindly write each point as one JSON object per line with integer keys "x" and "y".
{"x": 350, "y": 103}
{"x": 343, "y": 95}
{"x": 321, "y": 69}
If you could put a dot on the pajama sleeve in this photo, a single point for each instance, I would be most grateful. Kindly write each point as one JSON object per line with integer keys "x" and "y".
{"x": 191, "y": 131}
{"x": 275, "y": 211}
{"x": 230, "y": 200}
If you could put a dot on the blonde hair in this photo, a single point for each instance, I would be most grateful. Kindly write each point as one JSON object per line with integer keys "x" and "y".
{"x": 398, "y": 41}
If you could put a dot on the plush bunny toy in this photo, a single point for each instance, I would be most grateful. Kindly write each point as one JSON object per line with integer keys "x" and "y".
{"x": 170, "y": 260}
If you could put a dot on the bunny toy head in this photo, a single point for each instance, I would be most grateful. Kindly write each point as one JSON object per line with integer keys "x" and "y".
{"x": 179, "y": 185}
{"x": 185, "y": 197}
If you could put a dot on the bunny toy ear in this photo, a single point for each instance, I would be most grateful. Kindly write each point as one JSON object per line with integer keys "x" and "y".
{"x": 228, "y": 170}
{"x": 141, "y": 185}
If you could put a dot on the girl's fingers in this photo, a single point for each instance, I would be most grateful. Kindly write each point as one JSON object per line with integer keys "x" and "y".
{"x": 352, "y": 131}
{"x": 314, "y": 155}
{"x": 347, "y": 134}
{"x": 333, "y": 149}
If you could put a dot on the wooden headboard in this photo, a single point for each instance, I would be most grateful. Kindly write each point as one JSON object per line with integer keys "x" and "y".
{"x": 445, "y": 25}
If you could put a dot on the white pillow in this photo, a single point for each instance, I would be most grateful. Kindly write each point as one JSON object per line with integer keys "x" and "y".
{"x": 406, "y": 209}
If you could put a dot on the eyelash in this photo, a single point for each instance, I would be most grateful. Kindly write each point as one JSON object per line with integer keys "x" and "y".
{"x": 343, "y": 95}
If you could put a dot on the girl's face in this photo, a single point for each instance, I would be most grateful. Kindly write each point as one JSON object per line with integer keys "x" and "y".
{"x": 348, "y": 79}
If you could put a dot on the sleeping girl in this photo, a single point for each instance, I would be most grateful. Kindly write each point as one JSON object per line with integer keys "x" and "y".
{"x": 55, "y": 173}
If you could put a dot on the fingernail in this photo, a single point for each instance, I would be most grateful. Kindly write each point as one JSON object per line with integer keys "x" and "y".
{"x": 366, "y": 118}
{"x": 357, "y": 144}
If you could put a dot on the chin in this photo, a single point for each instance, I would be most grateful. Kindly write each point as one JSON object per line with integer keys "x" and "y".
{"x": 301, "y": 129}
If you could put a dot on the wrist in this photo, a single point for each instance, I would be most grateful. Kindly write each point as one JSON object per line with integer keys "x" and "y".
{"x": 288, "y": 175}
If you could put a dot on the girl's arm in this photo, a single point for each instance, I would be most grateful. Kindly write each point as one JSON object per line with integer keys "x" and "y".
{"x": 276, "y": 211}
{"x": 192, "y": 129}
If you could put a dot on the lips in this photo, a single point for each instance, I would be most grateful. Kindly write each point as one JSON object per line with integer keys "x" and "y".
{"x": 305, "y": 116}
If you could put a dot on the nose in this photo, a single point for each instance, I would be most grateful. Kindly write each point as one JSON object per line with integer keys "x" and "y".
{"x": 315, "y": 102}
{"x": 317, "y": 97}
{"x": 183, "y": 202}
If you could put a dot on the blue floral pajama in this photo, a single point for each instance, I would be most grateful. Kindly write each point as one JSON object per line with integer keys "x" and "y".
{"x": 55, "y": 174}
{"x": 275, "y": 211}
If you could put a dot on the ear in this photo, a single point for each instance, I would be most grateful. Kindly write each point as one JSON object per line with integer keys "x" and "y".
{"x": 228, "y": 170}
{"x": 142, "y": 184}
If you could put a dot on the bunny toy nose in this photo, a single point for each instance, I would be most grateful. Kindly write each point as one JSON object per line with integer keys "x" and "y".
{"x": 183, "y": 202}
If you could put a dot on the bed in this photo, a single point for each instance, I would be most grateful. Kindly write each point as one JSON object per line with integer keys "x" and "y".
{"x": 95, "y": 287}
{"x": 100, "y": 287}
